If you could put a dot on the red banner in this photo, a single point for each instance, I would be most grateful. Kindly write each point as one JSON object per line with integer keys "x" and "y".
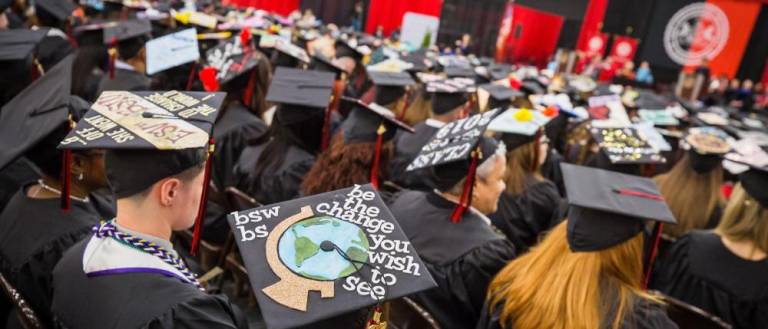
{"x": 533, "y": 36}
{"x": 596, "y": 45}
{"x": 741, "y": 17}
{"x": 389, "y": 13}
{"x": 624, "y": 48}
{"x": 282, "y": 7}
{"x": 504, "y": 31}
{"x": 593, "y": 22}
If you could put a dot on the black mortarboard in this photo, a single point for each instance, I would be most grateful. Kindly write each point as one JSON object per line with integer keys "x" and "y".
{"x": 363, "y": 123}
{"x": 608, "y": 208}
{"x": 449, "y": 94}
{"x": 232, "y": 58}
{"x": 58, "y": 9}
{"x": 308, "y": 259}
{"x": 455, "y": 152}
{"x": 519, "y": 126}
{"x": 459, "y": 72}
{"x": 126, "y": 30}
{"x": 343, "y": 49}
{"x": 149, "y": 136}
{"x": 531, "y": 86}
{"x": 301, "y": 94}
{"x": 707, "y": 146}
{"x": 625, "y": 146}
{"x": 19, "y": 44}
{"x": 419, "y": 61}
{"x": 390, "y": 86}
{"x": 4, "y": 4}
{"x": 37, "y": 111}
{"x": 755, "y": 183}
{"x": 499, "y": 71}
{"x": 290, "y": 55}
{"x": 321, "y": 63}
{"x": 498, "y": 95}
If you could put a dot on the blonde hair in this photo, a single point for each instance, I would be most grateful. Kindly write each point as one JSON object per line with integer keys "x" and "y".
{"x": 522, "y": 167}
{"x": 418, "y": 110}
{"x": 745, "y": 219}
{"x": 552, "y": 287}
{"x": 691, "y": 196}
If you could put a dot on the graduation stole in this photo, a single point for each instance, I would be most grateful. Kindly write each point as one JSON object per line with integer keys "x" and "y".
{"x": 108, "y": 229}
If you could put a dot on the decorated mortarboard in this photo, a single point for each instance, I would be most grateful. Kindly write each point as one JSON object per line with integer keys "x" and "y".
{"x": 425, "y": 77}
{"x": 449, "y": 94}
{"x": 492, "y": 95}
{"x": 652, "y": 135}
{"x": 59, "y": 9}
{"x": 197, "y": 18}
{"x": 292, "y": 52}
{"x": 19, "y": 44}
{"x": 519, "y": 126}
{"x": 661, "y": 117}
{"x": 608, "y": 112}
{"x": 706, "y": 148}
{"x": 326, "y": 255}
{"x": 625, "y": 146}
{"x": 390, "y": 86}
{"x": 149, "y": 136}
{"x": 452, "y": 60}
{"x": 172, "y": 50}
{"x": 609, "y": 208}
{"x": 712, "y": 118}
{"x": 454, "y": 153}
{"x": 459, "y": 72}
{"x": 229, "y": 60}
{"x": 390, "y": 65}
{"x": 125, "y": 30}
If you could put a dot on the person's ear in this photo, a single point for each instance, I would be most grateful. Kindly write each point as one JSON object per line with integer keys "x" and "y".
{"x": 80, "y": 166}
{"x": 169, "y": 191}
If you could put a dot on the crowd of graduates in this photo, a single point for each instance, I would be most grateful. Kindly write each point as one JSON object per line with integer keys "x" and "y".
{"x": 533, "y": 198}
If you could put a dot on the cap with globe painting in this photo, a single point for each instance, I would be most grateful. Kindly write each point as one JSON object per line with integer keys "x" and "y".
{"x": 326, "y": 255}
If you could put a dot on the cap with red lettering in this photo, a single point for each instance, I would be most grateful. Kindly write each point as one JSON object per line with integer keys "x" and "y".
{"x": 333, "y": 258}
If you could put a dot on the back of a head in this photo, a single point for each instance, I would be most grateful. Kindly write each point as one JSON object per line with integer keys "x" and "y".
{"x": 522, "y": 164}
{"x": 745, "y": 219}
{"x": 554, "y": 287}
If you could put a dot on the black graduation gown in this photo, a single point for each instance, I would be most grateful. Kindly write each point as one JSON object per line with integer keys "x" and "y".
{"x": 645, "y": 315}
{"x": 133, "y": 300}
{"x": 124, "y": 80}
{"x": 232, "y": 132}
{"x": 34, "y": 233}
{"x": 275, "y": 184}
{"x": 700, "y": 270}
{"x": 463, "y": 258}
{"x": 17, "y": 174}
{"x": 407, "y": 147}
{"x": 524, "y": 218}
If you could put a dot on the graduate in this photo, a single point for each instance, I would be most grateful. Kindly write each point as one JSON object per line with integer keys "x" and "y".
{"x": 530, "y": 204}
{"x": 128, "y": 58}
{"x": 19, "y": 61}
{"x": 272, "y": 168}
{"x": 358, "y": 83}
{"x": 43, "y": 220}
{"x": 159, "y": 179}
{"x": 359, "y": 152}
{"x": 449, "y": 226}
{"x": 588, "y": 271}
{"x": 693, "y": 187}
{"x": 449, "y": 100}
{"x": 725, "y": 271}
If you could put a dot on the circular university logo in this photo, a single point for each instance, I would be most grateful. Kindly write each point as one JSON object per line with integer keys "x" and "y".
{"x": 595, "y": 44}
{"x": 697, "y": 31}
{"x": 623, "y": 49}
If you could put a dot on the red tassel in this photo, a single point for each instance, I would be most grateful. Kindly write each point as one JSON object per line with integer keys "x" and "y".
{"x": 66, "y": 180}
{"x": 248, "y": 94}
{"x": 208, "y": 77}
{"x": 652, "y": 256}
{"x": 245, "y": 37}
{"x": 191, "y": 78}
{"x": 466, "y": 193}
{"x": 406, "y": 104}
{"x": 203, "y": 198}
{"x": 112, "y": 57}
{"x": 377, "y": 157}
{"x": 338, "y": 89}
{"x": 639, "y": 194}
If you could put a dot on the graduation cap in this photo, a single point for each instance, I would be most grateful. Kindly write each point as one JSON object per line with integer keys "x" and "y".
{"x": 172, "y": 50}
{"x": 459, "y": 71}
{"x": 652, "y": 135}
{"x": 755, "y": 182}
{"x": 125, "y": 30}
{"x": 582, "y": 84}
{"x": 58, "y": 9}
{"x": 418, "y": 60}
{"x": 625, "y": 146}
{"x": 289, "y": 54}
{"x": 496, "y": 95}
{"x": 663, "y": 117}
{"x": 301, "y": 94}
{"x": 321, "y": 63}
{"x": 519, "y": 126}
{"x": 609, "y": 208}
{"x": 706, "y": 148}
{"x": 390, "y": 65}
{"x": 371, "y": 123}
{"x": 499, "y": 71}
{"x": 448, "y": 94}
{"x": 229, "y": 60}
{"x": 149, "y": 136}
{"x": 315, "y": 258}
{"x": 390, "y": 86}
{"x": 19, "y": 44}
{"x": 344, "y": 49}
{"x": 454, "y": 153}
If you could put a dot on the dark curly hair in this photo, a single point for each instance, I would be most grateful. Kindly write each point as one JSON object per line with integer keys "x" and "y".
{"x": 343, "y": 165}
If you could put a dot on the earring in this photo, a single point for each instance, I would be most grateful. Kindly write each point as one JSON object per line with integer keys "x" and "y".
{"x": 81, "y": 176}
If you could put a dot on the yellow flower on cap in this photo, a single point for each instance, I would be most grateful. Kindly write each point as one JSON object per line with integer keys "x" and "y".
{"x": 524, "y": 115}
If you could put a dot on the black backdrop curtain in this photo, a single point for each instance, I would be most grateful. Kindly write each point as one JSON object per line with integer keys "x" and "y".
{"x": 756, "y": 54}
{"x": 338, "y": 12}
{"x": 481, "y": 19}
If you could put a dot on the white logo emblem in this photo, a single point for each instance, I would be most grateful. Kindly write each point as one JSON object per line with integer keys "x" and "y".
{"x": 595, "y": 44}
{"x": 623, "y": 49}
{"x": 697, "y": 31}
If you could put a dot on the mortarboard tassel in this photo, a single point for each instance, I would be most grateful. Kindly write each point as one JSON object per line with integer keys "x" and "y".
{"x": 203, "y": 198}
{"x": 112, "y": 51}
{"x": 652, "y": 255}
{"x": 338, "y": 88}
{"x": 66, "y": 173}
{"x": 466, "y": 193}
{"x": 403, "y": 111}
{"x": 248, "y": 94}
{"x": 208, "y": 77}
{"x": 377, "y": 158}
{"x": 191, "y": 78}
